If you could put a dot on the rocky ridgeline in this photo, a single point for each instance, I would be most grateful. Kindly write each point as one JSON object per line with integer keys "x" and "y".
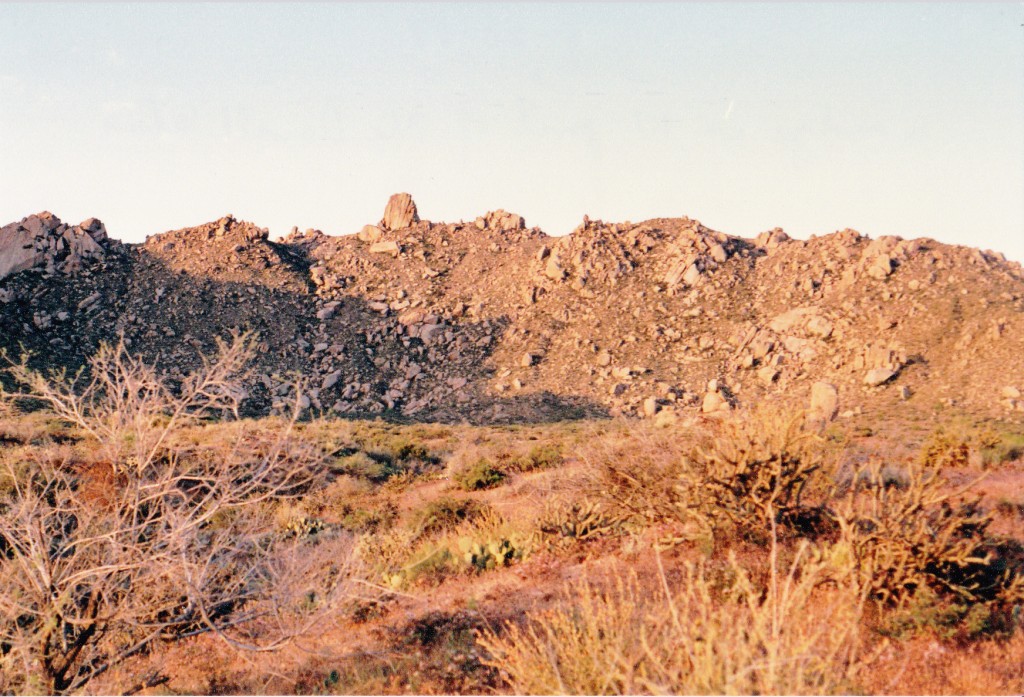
{"x": 490, "y": 320}
{"x": 43, "y": 242}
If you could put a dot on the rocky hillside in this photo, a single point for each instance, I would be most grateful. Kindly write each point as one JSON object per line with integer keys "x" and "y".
{"x": 491, "y": 321}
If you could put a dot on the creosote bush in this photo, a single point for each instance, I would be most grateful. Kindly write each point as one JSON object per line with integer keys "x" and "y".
{"x": 539, "y": 457}
{"x": 446, "y": 513}
{"x": 482, "y": 474}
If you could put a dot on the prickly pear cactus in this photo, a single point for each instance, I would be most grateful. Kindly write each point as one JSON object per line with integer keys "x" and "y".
{"x": 304, "y": 527}
{"x": 482, "y": 556}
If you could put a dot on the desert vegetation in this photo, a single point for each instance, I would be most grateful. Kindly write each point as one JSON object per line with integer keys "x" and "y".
{"x": 143, "y": 539}
{"x": 152, "y": 539}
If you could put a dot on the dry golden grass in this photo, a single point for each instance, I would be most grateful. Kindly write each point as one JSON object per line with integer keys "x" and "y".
{"x": 707, "y": 634}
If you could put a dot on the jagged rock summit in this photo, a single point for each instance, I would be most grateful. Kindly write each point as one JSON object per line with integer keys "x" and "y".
{"x": 492, "y": 321}
{"x": 43, "y": 241}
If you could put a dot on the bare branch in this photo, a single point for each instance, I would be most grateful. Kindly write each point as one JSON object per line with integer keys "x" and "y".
{"x": 172, "y": 548}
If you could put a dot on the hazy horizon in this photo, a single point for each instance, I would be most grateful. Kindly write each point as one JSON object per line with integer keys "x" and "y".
{"x": 890, "y": 119}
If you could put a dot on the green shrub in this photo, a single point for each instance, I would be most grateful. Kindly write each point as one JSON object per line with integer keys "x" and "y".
{"x": 1003, "y": 448}
{"x": 540, "y": 457}
{"x": 480, "y": 475}
{"x": 945, "y": 617}
{"x": 403, "y": 449}
{"x": 446, "y": 513}
{"x": 397, "y": 449}
{"x": 372, "y": 519}
{"x": 365, "y": 466}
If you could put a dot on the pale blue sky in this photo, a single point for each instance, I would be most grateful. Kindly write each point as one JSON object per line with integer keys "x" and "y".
{"x": 900, "y": 119}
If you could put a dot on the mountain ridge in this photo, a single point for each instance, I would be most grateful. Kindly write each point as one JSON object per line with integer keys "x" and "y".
{"x": 492, "y": 321}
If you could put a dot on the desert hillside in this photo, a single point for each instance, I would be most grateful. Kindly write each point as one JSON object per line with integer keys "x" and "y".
{"x": 491, "y": 321}
{"x": 435, "y": 458}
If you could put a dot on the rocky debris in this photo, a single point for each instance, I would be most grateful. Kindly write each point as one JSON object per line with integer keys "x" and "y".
{"x": 43, "y": 242}
{"x": 716, "y": 399}
{"x": 771, "y": 239}
{"x": 370, "y": 233}
{"x": 680, "y": 254}
{"x": 529, "y": 359}
{"x": 400, "y": 213}
{"x": 805, "y": 321}
{"x": 693, "y": 253}
{"x": 824, "y": 402}
{"x": 490, "y": 321}
{"x": 880, "y": 267}
{"x": 1012, "y": 398}
{"x": 714, "y": 402}
{"x": 500, "y": 220}
{"x": 878, "y": 376}
{"x": 553, "y": 268}
{"x": 327, "y": 311}
{"x": 385, "y": 247}
{"x": 882, "y": 356}
{"x": 767, "y": 375}
{"x": 331, "y": 380}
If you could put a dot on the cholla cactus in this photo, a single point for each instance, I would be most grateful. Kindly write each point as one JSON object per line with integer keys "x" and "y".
{"x": 753, "y": 471}
{"x": 921, "y": 534}
{"x": 578, "y": 521}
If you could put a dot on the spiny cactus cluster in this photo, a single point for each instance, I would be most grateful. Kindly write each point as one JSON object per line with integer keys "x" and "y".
{"x": 751, "y": 472}
{"x": 921, "y": 535}
{"x": 482, "y": 556}
{"x": 304, "y": 526}
{"x": 578, "y": 521}
{"x": 944, "y": 449}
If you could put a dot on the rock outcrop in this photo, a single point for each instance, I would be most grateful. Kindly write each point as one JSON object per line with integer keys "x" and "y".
{"x": 824, "y": 403}
{"x": 491, "y": 321}
{"x": 42, "y": 241}
{"x": 400, "y": 213}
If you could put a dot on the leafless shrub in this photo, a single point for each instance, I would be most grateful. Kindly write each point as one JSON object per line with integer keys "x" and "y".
{"x": 637, "y": 474}
{"x": 127, "y": 407}
{"x": 99, "y": 562}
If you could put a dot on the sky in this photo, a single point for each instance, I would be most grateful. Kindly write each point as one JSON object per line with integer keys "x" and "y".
{"x": 903, "y": 119}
